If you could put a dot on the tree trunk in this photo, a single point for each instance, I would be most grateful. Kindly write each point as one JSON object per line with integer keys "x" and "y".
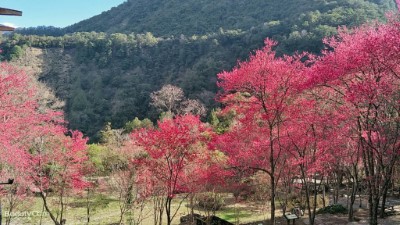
{"x": 373, "y": 194}
{"x": 336, "y": 192}
{"x": 1, "y": 214}
{"x": 354, "y": 188}
{"x": 53, "y": 218}
{"x": 374, "y": 206}
{"x": 192, "y": 208}
{"x": 383, "y": 203}
{"x": 323, "y": 196}
{"x": 88, "y": 206}
{"x": 273, "y": 200}
{"x": 121, "y": 217}
{"x": 387, "y": 178}
{"x": 311, "y": 217}
{"x": 62, "y": 220}
{"x": 168, "y": 210}
{"x": 158, "y": 206}
{"x": 310, "y": 214}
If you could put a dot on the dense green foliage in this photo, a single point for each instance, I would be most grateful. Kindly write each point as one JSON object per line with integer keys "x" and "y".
{"x": 190, "y": 17}
{"x": 110, "y": 75}
{"x": 41, "y": 31}
{"x": 333, "y": 209}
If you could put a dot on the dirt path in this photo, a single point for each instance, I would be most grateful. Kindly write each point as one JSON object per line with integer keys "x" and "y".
{"x": 360, "y": 213}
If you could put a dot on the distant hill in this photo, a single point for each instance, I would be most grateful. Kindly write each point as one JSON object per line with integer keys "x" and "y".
{"x": 190, "y": 17}
{"x": 105, "y": 68}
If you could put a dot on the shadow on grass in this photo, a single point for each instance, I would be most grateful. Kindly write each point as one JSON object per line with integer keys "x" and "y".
{"x": 232, "y": 216}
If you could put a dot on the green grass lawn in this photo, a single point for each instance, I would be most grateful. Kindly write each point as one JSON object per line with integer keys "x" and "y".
{"x": 107, "y": 212}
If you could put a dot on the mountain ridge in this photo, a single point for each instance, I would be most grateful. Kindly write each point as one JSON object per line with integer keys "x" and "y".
{"x": 196, "y": 17}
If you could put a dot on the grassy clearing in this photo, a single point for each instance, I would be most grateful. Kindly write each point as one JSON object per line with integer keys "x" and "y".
{"x": 107, "y": 212}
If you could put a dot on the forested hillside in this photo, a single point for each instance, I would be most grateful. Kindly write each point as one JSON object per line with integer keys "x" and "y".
{"x": 105, "y": 68}
{"x": 189, "y": 17}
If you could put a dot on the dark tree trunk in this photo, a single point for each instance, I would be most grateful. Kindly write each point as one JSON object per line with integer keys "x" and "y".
{"x": 273, "y": 200}
{"x": 168, "y": 202}
{"x": 354, "y": 189}
{"x": 53, "y": 218}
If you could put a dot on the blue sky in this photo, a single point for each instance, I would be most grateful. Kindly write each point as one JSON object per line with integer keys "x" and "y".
{"x": 58, "y": 13}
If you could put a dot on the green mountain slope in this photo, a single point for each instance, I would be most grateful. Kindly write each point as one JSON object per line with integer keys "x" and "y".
{"x": 108, "y": 77}
{"x": 174, "y": 17}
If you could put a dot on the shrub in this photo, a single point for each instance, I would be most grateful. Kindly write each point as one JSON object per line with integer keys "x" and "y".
{"x": 333, "y": 209}
{"x": 210, "y": 200}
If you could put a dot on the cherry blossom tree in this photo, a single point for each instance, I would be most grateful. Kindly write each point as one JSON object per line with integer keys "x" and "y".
{"x": 363, "y": 67}
{"x": 55, "y": 162}
{"x": 170, "y": 150}
{"x": 18, "y": 117}
{"x": 34, "y": 143}
{"x": 261, "y": 91}
{"x": 313, "y": 144}
{"x": 17, "y": 107}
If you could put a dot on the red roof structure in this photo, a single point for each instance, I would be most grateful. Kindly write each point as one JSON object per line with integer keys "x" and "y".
{"x": 8, "y": 12}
